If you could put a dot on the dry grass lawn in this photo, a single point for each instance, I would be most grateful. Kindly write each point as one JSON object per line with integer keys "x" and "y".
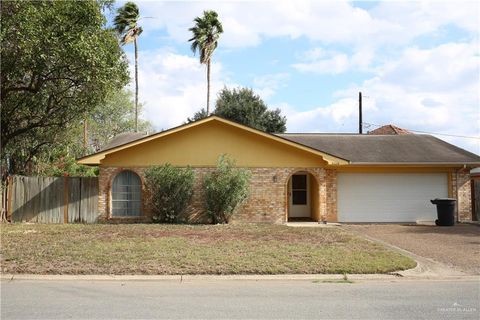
{"x": 190, "y": 249}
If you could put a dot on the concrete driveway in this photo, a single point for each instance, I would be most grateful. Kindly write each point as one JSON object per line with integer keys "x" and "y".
{"x": 457, "y": 247}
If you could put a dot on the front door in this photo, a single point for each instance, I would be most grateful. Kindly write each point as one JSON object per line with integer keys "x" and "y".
{"x": 299, "y": 197}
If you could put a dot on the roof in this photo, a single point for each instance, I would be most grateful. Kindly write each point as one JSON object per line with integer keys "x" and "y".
{"x": 386, "y": 149}
{"x": 389, "y": 129}
{"x": 335, "y": 149}
{"x": 123, "y": 142}
{"x": 123, "y": 138}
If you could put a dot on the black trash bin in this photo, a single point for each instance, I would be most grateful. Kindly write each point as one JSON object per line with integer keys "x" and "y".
{"x": 445, "y": 211}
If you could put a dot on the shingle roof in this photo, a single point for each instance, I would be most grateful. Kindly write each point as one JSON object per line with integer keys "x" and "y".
{"x": 408, "y": 148}
{"x": 389, "y": 129}
{"x": 123, "y": 138}
{"x": 358, "y": 149}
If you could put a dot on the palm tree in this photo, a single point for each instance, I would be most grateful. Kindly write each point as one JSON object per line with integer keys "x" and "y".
{"x": 126, "y": 24}
{"x": 206, "y": 32}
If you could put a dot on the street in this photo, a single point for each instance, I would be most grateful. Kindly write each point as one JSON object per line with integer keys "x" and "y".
{"x": 236, "y": 299}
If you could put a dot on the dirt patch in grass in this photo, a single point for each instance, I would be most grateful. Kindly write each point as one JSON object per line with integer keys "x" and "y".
{"x": 190, "y": 249}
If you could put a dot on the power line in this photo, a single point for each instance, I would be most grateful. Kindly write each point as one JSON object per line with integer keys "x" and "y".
{"x": 427, "y": 132}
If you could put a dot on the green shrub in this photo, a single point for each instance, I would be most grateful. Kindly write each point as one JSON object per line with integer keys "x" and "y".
{"x": 225, "y": 189}
{"x": 171, "y": 189}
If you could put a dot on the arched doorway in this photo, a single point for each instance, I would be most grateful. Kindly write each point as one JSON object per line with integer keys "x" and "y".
{"x": 126, "y": 195}
{"x": 303, "y": 197}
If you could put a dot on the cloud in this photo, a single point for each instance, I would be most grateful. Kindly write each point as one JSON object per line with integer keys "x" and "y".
{"x": 423, "y": 17}
{"x": 173, "y": 86}
{"x": 433, "y": 90}
{"x": 246, "y": 23}
{"x": 340, "y": 116}
{"x": 447, "y": 67}
{"x": 267, "y": 85}
{"x": 324, "y": 62}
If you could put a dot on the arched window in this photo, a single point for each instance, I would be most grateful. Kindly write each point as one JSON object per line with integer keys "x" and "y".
{"x": 126, "y": 195}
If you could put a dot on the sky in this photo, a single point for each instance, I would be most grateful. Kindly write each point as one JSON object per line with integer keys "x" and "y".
{"x": 417, "y": 64}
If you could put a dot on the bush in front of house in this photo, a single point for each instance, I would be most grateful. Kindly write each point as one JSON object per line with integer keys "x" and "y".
{"x": 171, "y": 189}
{"x": 225, "y": 189}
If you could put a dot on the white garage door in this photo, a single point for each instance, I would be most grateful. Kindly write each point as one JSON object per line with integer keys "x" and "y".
{"x": 389, "y": 197}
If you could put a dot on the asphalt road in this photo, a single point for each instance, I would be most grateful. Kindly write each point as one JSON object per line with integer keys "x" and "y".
{"x": 221, "y": 299}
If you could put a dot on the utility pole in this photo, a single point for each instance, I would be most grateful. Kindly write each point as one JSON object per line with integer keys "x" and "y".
{"x": 360, "y": 129}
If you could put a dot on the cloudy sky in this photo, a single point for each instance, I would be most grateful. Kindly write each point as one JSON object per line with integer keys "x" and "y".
{"x": 416, "y": 63}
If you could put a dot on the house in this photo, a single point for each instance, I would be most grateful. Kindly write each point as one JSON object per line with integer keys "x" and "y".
{"x": 389, "y": 129}
{"x": 332, "y": 177}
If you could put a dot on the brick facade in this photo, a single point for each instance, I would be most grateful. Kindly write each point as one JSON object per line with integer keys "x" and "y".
{"x": 331, "y": 195}
{"x": 267, "y": 202}
{"x": 461, "y": 190}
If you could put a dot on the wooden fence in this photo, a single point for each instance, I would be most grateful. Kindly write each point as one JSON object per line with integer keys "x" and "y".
{"x": 476, "y": 199}
{"x": 52, "y": 199}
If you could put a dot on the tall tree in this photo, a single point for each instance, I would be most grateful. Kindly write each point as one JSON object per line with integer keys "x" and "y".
{"x": 59, "y": 61}
{"x": 126, "y": 24}
{"x": 106, "y": 121}
{"x": 206, "y": 33}
{"x": 242, "y": 105}
{"x": 114, "y": 117}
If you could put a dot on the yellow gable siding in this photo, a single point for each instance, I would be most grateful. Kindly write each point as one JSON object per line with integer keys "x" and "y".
{"x": 201, "y": 146}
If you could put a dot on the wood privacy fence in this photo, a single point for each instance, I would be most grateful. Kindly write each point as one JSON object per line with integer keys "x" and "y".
{"x": 52, "y": 199}
{"x": 476, "y": 199}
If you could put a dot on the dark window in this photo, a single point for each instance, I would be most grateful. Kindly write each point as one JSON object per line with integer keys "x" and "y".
{"x": 299, "y": 197}
{"x": 126, "y": 195}
{"x": 299, "y": 182}
{"x": 299, "y": 189}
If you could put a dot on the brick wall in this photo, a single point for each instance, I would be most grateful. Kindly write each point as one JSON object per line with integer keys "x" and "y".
{"x": 267, "y": 202}
{"x": 331, "y": 195}
{"x": 461, "y": 190}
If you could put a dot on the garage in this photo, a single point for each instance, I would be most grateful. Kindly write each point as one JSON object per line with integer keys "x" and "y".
{"x": 389, "y": 197}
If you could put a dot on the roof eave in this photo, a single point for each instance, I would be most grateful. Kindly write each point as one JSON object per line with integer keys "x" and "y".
{"x": 420, "y": 164}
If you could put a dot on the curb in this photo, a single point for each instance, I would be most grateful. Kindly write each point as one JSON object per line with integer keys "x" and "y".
{"x": 253, "y": 277}
{"x": 286, "y": 277}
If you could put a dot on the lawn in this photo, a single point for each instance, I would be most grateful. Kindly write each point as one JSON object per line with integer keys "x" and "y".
{"x": 190, "y": 249}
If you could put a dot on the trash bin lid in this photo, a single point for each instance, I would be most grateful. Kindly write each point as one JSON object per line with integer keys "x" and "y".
{"x": 475, "y": 172}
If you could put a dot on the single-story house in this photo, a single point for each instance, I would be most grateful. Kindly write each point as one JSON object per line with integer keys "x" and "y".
{"x": 310, "y": 176}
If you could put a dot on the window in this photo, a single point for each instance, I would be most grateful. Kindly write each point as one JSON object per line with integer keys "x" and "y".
{"x": 126, "y": 195}
{"x": 299, "y": 189}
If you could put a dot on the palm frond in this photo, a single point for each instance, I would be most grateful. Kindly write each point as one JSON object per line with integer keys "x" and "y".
{"x": 126, "y": 22}
{"x": 205, "y": 35}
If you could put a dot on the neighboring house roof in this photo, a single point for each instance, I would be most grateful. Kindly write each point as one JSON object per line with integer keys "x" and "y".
{"x": 123, "y": 138}
{"x": 386, "y": 149}
{"x": 389, "y": 129}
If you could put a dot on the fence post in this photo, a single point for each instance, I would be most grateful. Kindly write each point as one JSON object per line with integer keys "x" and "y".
{"x": 9, "y": 197}
{"x": 65, "y": 199}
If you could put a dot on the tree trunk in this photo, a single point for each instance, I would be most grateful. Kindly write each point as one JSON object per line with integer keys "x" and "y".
{"x": 208, "y": 88}
{"x": 136, "y": 84}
